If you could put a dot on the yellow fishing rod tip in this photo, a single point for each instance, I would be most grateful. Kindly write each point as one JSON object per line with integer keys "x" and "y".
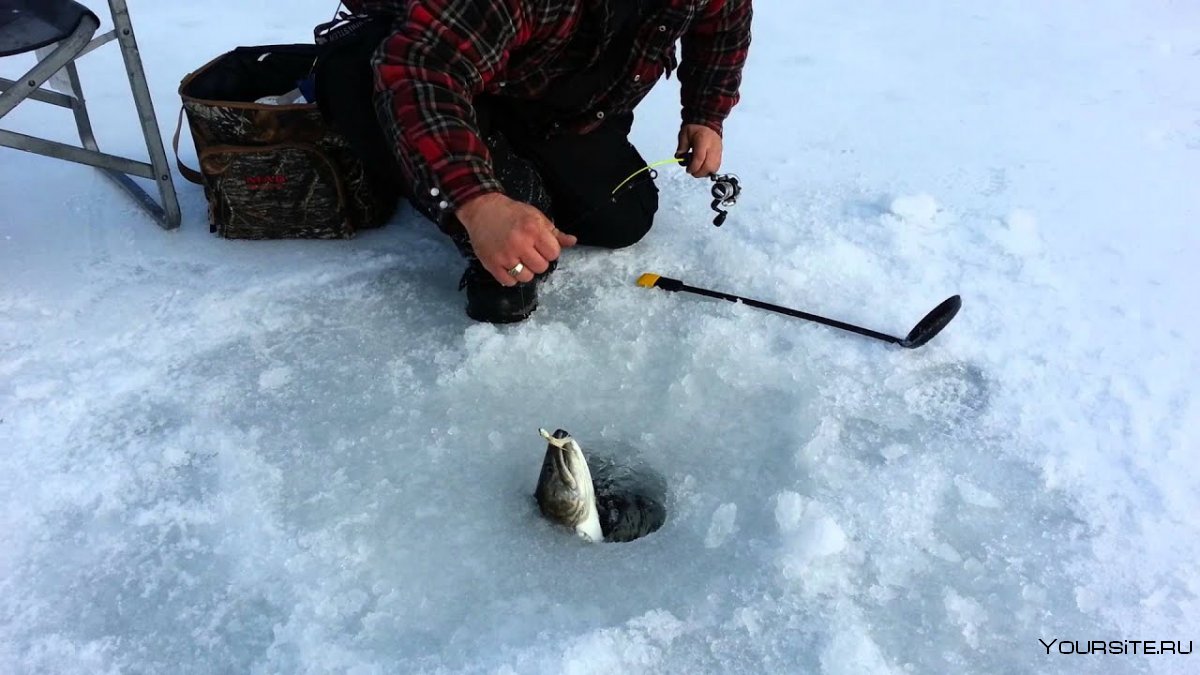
{"x": 648, "y": 280}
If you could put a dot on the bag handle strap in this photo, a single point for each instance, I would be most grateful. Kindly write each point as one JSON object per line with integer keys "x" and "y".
{"x": 187, "y": 172}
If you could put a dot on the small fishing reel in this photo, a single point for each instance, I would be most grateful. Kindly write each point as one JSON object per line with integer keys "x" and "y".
{"x": 725, "y": 191}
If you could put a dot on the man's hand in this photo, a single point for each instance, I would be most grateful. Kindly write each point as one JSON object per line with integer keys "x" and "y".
{"x": 505, "y": 232}
{"x": 706, "y": 146}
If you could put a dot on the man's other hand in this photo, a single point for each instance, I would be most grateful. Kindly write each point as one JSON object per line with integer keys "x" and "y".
{"x": 705, "y": 145}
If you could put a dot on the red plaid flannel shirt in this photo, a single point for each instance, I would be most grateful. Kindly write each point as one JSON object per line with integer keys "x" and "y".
{"x": 445, "y": 52}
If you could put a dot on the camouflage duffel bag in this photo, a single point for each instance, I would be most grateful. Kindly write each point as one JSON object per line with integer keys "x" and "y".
{"x": 270, "y": 164}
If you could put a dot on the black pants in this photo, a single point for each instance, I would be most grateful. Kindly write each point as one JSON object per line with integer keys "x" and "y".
{"x": 569, "y": 177}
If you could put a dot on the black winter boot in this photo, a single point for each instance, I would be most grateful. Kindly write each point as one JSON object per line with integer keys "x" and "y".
{"x": 488, "y": 300}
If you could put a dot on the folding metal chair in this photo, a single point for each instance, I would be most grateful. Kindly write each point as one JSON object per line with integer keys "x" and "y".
{"x": 31, "y": 25}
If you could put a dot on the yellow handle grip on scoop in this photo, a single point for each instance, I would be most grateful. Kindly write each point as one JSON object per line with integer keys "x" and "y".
{"x": 648, "y": 280}
{"x": 651, "y": 280}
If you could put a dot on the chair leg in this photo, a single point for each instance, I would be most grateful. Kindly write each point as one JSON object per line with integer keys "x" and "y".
{"x": 79, "y": 107}
{"x": 169, "y": 216}
{"x": 87, "y": 138}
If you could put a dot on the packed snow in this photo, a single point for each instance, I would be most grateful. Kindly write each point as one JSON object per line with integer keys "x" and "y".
{"x": 301, "y": 456}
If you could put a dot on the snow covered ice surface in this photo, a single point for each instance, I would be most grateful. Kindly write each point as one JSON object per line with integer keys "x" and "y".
{"x": 221, "y": 456}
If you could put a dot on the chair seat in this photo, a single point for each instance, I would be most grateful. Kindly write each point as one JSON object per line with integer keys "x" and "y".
{"x": 26, "y": 25}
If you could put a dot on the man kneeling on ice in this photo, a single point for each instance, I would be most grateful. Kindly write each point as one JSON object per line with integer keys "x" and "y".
{"x": 507, "y": 122}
